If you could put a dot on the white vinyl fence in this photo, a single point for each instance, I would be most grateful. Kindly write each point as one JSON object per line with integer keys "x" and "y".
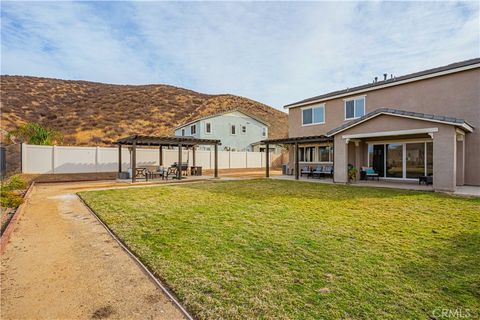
{"x": 62, "y": 159}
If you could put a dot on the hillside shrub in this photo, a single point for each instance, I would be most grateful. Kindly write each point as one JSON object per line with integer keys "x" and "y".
{"x": 34, "y": 133}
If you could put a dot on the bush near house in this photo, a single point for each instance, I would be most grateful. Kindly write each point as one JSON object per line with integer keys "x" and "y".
{"x": 266, "y": 249}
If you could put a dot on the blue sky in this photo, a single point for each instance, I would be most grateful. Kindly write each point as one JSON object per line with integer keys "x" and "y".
{"x": 273, "y": 52}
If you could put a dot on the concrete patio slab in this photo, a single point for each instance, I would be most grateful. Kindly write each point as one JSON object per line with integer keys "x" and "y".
{"x": 376, "y": 184}
{"x": 471, "y": 191}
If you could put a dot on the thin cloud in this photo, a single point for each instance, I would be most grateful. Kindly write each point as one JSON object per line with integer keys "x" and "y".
{"x": 273, "y": 52}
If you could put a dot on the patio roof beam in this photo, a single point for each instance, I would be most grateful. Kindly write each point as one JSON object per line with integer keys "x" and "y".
{"x": 295, "y": 140}
{"x": 166, "y": 141}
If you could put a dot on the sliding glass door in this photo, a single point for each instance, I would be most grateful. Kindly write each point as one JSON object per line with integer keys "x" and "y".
{"x": 378, "y": 159}
{"x": 415, "y": 160}
{"x": 402, "y": 160}
{"x": 394, "y": 160}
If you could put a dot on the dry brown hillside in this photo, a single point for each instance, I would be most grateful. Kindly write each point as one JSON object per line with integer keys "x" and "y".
{"x": 89, "y": 113}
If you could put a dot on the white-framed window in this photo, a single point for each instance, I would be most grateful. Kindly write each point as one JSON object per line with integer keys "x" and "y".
{"x": 244, "y": 129}
{"x": 325, "y": 154}
{"x": 313, "y": 115}
{"x": 233, "y": 129}
{"x": 354, "y": 108}
{"x": 183, "y": 132}
{"x": 208, "y": 128}
{"x": 193, "y": 129}
{"x": 306, "y": 154}
{"x": 264, "y": 132}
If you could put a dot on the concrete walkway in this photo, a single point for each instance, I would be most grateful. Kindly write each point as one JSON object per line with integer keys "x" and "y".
{"x": 376, "y": 184}
{"x": 470, "y": 191}
{"x": 62, "y": 264}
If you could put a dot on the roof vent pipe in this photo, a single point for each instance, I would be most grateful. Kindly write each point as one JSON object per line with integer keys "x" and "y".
{"x": 385, "y": 76}
{"x": 376, "y": 79}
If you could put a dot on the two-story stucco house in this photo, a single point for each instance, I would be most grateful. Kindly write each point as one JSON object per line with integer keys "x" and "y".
{"x": 421, "y": 124}
{"x": 236, "y": 129}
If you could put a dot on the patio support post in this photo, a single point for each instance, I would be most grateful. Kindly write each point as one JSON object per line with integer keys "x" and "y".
{"x": 194, "y": 158}
{"x": 267, "y": 161}
{"x": 357, "y": 158}
{"x": 179, "y": 164}
{"x": 215, "y": 170}
{"x": 460, "y": 159}
{"x": 119, "y": 158}
{"x": 134, "y": 161}
{"x": 340, "y": 155}
{"x": 297, "y": 164}
{"x": 160, "y": 149}
{"x": 445, "y": 159}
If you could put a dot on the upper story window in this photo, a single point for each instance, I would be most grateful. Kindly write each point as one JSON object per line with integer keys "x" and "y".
{"x": 313, "y": 115}
{"x": 193, "y": 129}
{"x": 183, "y": 132}
{"x": 208, "y": 127}
{"x": 354, "y": 108}
{"x": 244, "y": 129}
{"x": 233, "y": 129}
{"x": 264, "y": 132}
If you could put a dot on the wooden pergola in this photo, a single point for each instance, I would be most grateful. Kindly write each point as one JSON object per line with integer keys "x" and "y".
{"x": 180, "y": 142}
{"x": 296, "y": 141}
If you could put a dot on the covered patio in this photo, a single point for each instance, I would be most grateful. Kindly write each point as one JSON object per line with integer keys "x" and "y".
{"x": 301, "y": 155}
{"x": 403, "y": 147}
{"x": 182, "y": 143}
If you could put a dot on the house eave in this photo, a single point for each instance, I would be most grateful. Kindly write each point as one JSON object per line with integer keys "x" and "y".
{"x": 465, "y": 126}
{"x": 382, "y": 86}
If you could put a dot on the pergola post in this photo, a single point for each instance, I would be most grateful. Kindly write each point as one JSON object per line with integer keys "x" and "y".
{"x": 160, "y": 160}
{"x": 297, "y": 163}
{"x": 179, "y": 164}
{"x": 119, "y": 158}
{"x": 134, "y": 161}
{"x": 267, "y": 160}
{"x": 194, "y": 158}
{"x": 215, "y": 171}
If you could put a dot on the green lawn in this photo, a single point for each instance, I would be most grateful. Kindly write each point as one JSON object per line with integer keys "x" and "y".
{"x": 284, "y": 249}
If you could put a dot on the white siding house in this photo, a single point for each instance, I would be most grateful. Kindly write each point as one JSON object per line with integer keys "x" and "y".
{"x": 236, "y": 129}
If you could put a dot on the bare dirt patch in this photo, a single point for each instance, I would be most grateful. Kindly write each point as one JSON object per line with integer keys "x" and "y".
{"x": 62, "y": 264}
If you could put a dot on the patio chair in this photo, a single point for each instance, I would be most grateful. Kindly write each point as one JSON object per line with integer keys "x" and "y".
{"x": 141, "y": 173}
{"x": 328, "y": 171}
{"x": 171, "y": 172}
{"x": 370, "y": 173}
{"x": 317, "y": 172}
{"x": 425, "y": 179}
{"x": 306, "y": 170}
{"x": 158, "y": 172}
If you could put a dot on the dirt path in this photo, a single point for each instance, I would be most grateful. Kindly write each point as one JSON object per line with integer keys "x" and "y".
{"x": 62, "y": 264}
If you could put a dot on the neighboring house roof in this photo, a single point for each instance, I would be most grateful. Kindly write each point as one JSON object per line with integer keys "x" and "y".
{"x": 430, "y": 73}
{"x": 222, "y": 113}
{"x": 406, "y": 114}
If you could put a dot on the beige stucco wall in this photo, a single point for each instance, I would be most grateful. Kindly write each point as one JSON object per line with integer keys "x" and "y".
{"x": 455, "y": 95}
{"x": 444, "y": 147}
